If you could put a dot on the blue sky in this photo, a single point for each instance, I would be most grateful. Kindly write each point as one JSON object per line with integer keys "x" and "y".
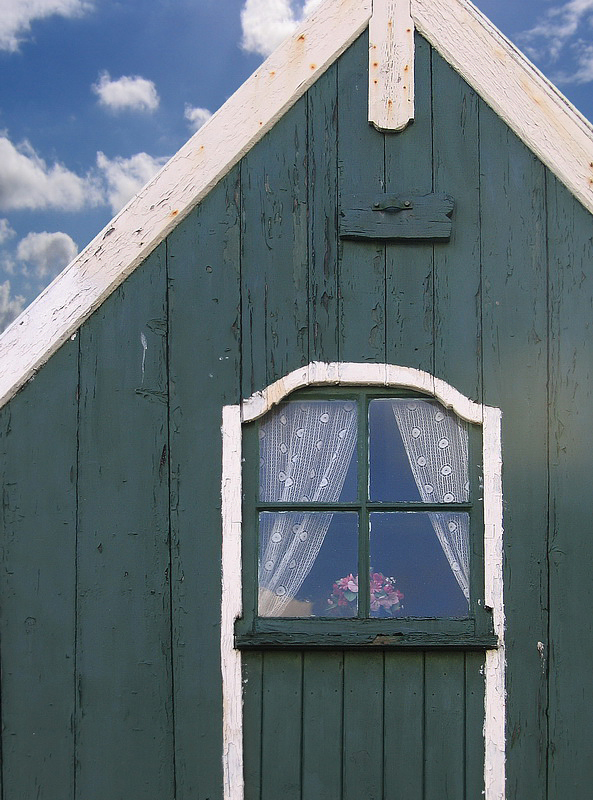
{"x": 96, "y": 94}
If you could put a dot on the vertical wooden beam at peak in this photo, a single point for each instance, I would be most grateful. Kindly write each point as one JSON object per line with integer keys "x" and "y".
{"x": 391, "y": 65}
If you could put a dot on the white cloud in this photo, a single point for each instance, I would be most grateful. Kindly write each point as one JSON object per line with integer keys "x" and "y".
{"x": 10, "y": 305}
{"x": 46, "y": 253}
{"x": 16, "y": 17}
{"x": 125, "y": 176}
{"x": 196, "y": 116}
{"x": 6, "y": 231}
{"x": 27, "y": 182}
{"x": 128, "y": 93}
{"x": 557, "y": 36}
{"x": 265, "y": 23}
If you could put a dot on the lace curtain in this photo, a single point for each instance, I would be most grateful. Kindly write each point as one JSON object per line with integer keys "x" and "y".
{"x": 436, "y": 444}
{"x": 305, "y": 452}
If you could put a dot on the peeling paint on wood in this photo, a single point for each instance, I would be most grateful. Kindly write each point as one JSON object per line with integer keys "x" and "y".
{"x": 391, "y": 65}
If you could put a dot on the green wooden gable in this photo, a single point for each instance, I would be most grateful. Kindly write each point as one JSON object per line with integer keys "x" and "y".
{"x": 111, "y": 463}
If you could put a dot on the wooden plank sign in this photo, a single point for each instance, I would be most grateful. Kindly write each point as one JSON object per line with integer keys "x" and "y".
{"x": 397, "y": 216}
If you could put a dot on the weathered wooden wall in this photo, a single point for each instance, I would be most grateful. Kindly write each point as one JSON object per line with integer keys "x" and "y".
{"x": 111, "y": 473}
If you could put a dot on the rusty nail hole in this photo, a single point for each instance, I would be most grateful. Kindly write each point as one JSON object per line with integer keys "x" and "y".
{"x": 302, "y": 37}
{"x": 174, "y": 212}
{"x": 408, "y": 30}
{"x": 312, "y": 66}
{"x": 375, "y": 81}
{"x": 375, "y": 63}
{"x": 272, "y": 73}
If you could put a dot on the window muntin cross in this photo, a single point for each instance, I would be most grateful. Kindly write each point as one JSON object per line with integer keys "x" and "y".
{"x": 363, "y": 509}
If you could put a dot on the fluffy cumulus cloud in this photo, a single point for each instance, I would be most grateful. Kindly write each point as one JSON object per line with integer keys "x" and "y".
{"x": 128, "y": 93}
{"x": 45, "y": 254}
{"x": 28, "y": 182}
{"x": 6, "y": 231}
{"x": 196, "y": 116}
{"x": 16, "y": 17}
{"x": 125, "y": 176}
{"x": 10, "y": 305}
{"x": 564, "y": 32}
{"x": 265, "y": 23}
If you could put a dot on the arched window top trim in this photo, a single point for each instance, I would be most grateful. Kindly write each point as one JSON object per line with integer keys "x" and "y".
{"x": 319, "y": 373}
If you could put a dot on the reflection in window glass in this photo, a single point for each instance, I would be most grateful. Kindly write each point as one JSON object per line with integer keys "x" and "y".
{"x": 418, "y": 452}
{"x": 426, "y": 556}
{"x": 302, "y": 555}
{"x": 308, "y": 452}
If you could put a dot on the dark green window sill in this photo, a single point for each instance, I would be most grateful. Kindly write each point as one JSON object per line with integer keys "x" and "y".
{"x": 268, "y": 634}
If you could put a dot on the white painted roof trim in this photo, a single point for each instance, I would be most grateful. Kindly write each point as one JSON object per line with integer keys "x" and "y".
{"x": 517, "y": 91}
{"x": 182, "y": 183}
{"x": 344, "y": 373}
{"x": 532, "y": 107}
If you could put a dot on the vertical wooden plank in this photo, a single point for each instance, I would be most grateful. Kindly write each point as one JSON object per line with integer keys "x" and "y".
{"x": 274, "y": 255}
{"x": 38, "y": 438}
{"x": 444, "y": 726}
{"x": 282, "y": 726}
{"x": 408, "y": 168}
{"x": 363, "y": 726}
{"x": 474, "y": 725}
{"x": 457, "y": 262}
{"x": 252, "y": 663}
{"x": 124, "y": 741}
{"x": 322, "y": 118}
{"x": 323, "y": 690}
{"x": 570, "y": 650}
{"x": 404, "y": 725}
{"x": 515, "y": 379}
{"x": 361, "y": 164}
{"x": 204, "y": 311}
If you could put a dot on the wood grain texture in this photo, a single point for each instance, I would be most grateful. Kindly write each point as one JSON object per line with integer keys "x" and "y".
{"x": 515, "y": 379}
{"x": 474, "y": 724}
{"x": 362, "y": 264}
{"x": 396, "y": 216}
{"x": 457, "y": 263}
{"x": 517, "y": 91}
{"x": 274, "y": 253}
{"x": 252, "y": 722}
{"x": 38, "y": 587}
{"x": 204, "y": 374}
{"x": 568, "y": 655}
{"x": 123, "y": 626}
{"x": 322, "y": 199}
{"x": 172, "y": 194}
{"x": 391, "y": 65}
{"x": 444, "y": 726}
{"x": 282, "y": 700}
{"x": 404, "y": 760}
{"x": 363, "y": 726}
{"x": 323, "y": 699}
{"x": 409, "y": 269}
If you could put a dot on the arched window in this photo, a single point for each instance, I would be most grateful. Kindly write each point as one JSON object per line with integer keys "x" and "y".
{"x": 362, "y": 522}
{"x": 361, "y": 507}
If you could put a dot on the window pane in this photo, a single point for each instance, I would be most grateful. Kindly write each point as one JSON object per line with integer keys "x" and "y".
{"x": 418, "y": 452}
{"x": 301, "y": 556}
{"x": 425, "y": 556}
{"x": 308, "y": 452}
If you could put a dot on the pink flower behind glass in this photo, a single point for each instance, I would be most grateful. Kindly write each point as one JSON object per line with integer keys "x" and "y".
{"x": 384, "y": 596}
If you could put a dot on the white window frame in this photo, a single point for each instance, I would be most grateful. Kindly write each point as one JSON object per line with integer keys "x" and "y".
{"x": 349, "y": 374}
